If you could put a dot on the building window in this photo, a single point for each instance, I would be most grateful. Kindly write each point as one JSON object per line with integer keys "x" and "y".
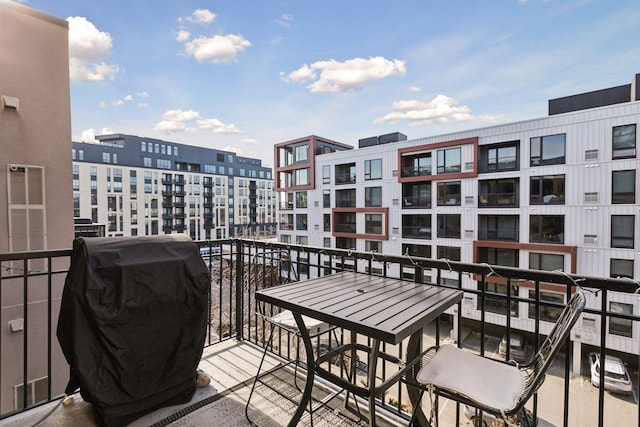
{"x": 622, "y": 231}
{"x": 549, "y": 314}
{"x": 548, "y": 189}
{"x": 345, "y": 243}
{"x": 146, "y": 162}
{"x": 326, "y": 222}
{"x": 449, "y": 226}
{"x": 373, "y": 246}
{"x": 623, "y": 186}
{"x": 499, "y": 227}
{"x": 624, "y": 142}
{"x": 416, "y": 226}
{"x": 301, "y": 153}
{"x": 411, "y": 249}
{"x": 621, "y": 327}
{"x": 621, "y": 268}
{"x": 106, "y": 157}
{"x": 346, "y": 174}
{"x": 498, "y": 193}
{"x": 373, "y": 223}
{"x": 499, "y": 256}
{"x": 449, "y": 160}
{"x": 449, "y": 252}
{"x": 302, "y": 240}
{"x": 546, "y": 229}
{"x": 344, "y": 222}
{"x": 326, "y": 198}
{"x": 285, "y": 238}
{"x": 373, "y": 196}
{"x": 548, "y": 150}
{"x": 546, "y": 262}
{"x": 326, "y": 174}
{"x": 301, "y": 199}
{"x": 346, "y": 198}
{"x": 416, "y": 195}
{"x": 498, "y": 304}
{"x": 416, "y": 165}
{"x": 497, "y": 158}
{"x": 449, "y": 193}
{"x": 301, "y": 175}
{"x": 326, "y": 242}
{"x": 373, "y": 169}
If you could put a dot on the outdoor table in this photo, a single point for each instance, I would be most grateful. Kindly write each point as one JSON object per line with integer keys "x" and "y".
{"x": 381, "y": 308}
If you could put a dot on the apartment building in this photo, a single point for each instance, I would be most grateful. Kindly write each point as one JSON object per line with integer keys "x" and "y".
{"x": 35, "y": 198}
{"x": 144, "y": 186}
{"x": 553, "y": 193}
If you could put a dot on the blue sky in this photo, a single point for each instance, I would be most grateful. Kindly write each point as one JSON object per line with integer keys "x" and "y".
{"x": 243, "y": 75}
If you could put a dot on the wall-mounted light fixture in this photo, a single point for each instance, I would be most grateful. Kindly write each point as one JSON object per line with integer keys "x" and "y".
{"x": 10, "y": 102}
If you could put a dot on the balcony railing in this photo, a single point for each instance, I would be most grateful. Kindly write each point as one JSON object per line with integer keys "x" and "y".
{"x": 31, "y": 284}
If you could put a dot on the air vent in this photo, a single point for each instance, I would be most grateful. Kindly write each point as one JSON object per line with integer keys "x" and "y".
{"x": 590, "y": 239}
{"x": 591, "y": 154}
{"x": 468, "y": 200}
{"x": 395, "y": 202}
{"x": 468, "y": 234}
{"x": 591, "y": 197}
{"x": 468, "y": 166}
{"x": 395, "y": 172}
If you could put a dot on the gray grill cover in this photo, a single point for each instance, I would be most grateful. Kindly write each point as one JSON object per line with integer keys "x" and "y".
{"x": 133, "y": 322}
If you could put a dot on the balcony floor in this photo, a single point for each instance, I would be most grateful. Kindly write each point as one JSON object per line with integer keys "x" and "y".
{"x": 231, "y": 365}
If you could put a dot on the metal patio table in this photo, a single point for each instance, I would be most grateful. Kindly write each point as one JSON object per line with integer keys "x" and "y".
{"x": 381, "y": 308}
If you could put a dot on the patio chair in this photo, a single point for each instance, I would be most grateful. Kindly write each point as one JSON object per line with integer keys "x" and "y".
{"x": 493, "y": 386}
{"x": 273, "y": 268}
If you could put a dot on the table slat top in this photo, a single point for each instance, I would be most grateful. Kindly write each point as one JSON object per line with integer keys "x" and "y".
{"x": 383, "y": 308}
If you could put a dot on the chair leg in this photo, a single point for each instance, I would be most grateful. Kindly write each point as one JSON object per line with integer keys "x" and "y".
{"x": 257, "y": 378}
{"x": 415, "y": 411}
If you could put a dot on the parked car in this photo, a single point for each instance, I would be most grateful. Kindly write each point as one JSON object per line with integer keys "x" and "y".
{"x": 616, "y": 377}
{"x": 487, "y": 419}
{"x": 518, "y": 347}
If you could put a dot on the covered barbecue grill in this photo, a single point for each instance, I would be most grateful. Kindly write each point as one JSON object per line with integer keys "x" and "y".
{"x": 132, "y": 323}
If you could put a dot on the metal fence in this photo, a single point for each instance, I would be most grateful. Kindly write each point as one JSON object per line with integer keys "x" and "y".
{"x": 31, "y": 284}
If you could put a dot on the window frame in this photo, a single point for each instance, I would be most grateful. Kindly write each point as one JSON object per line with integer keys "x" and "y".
{"x": 625, "y": 152}
{"x": 543, "y": 234}
{"x": 548, "y": 141}
{"x": 371, "y": 172}
{"x": 449, "y": 226}
{"x": 623, "y": 235}
{"x": 623, "y": 197}
{"x": 443, "y": 158}
{"x": 542, "y": 193}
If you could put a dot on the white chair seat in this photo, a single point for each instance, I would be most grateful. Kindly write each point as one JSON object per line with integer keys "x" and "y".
{"x": 487, "y": 381}
{"x": 285, "y": 319}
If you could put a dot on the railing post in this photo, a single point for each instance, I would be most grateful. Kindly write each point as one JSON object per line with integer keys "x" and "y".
{"x": 239, "y": 289}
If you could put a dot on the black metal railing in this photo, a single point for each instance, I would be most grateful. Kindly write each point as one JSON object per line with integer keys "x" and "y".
{"x": 31, "y": 283}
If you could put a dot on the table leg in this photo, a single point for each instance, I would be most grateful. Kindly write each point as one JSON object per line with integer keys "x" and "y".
{"x": 308, "y": 387}
{"x": 371, "y": 380}
{"x": 414, "y": 348}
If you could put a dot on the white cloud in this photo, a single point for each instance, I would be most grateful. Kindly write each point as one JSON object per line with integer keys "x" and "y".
{"x": 217, "y": 49}
{"x": 183, "y": 36}
{"x": 441, "y": 109}
{"x": 142, "y": 95}
{"x": 142, "y": 104}
{"x": 89, "y": 135}
{"x": 414, "y": 89}
{"x": 177, "y": 121}
{"x": 217, "y": 126}
{"x": 180, "y": 116}
{"x": 102, "y": 104}
{"x": 284, "y": 20}
{"x": 351, "y": 74}
{"x": 202, "y": 16}
{"x": 88, "y": 46}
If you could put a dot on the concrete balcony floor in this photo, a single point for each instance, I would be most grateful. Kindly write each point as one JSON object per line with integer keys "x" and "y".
{"x": 232, "y": 366}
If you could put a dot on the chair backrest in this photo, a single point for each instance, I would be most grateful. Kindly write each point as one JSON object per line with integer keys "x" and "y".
{"x": 541, "y": 362}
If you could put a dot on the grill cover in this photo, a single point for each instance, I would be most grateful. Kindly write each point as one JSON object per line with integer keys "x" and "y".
{"x": 133, "y": 322}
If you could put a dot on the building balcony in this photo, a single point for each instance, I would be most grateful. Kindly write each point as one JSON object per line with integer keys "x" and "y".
{"x": 235, "y": 339}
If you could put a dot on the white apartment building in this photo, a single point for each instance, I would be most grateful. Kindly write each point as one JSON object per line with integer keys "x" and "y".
{"x": 144, "y": 186}
{"x": 554, "y": 193}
